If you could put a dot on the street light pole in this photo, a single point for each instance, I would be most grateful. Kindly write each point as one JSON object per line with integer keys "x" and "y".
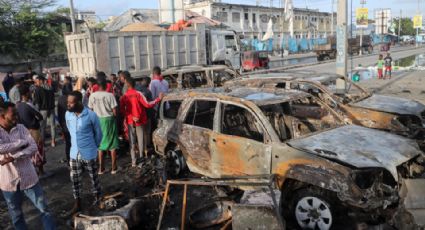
{"x": 341, "y": 38}
{"x": 363, "y": 2}
{"x": 71, "y": 9}
{"x": 332, "y": 18}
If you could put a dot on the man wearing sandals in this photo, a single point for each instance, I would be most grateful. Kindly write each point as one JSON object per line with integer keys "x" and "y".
{"x": 86, "y": 136}
{"x": 104, "y": 105}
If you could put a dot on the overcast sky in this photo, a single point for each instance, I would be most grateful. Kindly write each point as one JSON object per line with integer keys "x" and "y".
{"x": 105, "y": 8}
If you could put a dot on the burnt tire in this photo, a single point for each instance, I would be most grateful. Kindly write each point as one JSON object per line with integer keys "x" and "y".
{"x": 312, "y": 208}
{"x": 326, "y": 58}
{"x": 175, "y": 164}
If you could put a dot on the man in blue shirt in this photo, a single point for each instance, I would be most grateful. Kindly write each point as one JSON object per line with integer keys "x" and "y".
{"x": 86, "y": 136}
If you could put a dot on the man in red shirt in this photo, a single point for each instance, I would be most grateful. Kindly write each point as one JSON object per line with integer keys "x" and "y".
{"x": 133, "y": 107}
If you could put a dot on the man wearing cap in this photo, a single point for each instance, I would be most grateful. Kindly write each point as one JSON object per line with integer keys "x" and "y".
{"x": 44, "y": 100}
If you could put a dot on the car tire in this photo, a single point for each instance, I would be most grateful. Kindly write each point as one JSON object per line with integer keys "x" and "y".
{"x": 175, "y": 164}
{"x": 312, "y": 208}
{"x": 326, "y": 58}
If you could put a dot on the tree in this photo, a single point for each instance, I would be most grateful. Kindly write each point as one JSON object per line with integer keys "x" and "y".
{"x": 406, "y": 26}
{"x": 25, "y": 29}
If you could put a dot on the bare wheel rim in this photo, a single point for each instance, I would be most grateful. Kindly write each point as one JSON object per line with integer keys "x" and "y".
{"x": 313, "y": 213}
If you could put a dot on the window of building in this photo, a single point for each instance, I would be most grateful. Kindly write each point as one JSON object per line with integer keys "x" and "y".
{"x": 237, "y": 121}
{"x": 236, "y": 17}
{"x": 201, "y": 114}
{"x": 264, "y": 18}
{"x": 254, "y": 18}
{"x": 246, "y": 16}
{"x": 222, "y": 16}
{"x": 171, "y": 109}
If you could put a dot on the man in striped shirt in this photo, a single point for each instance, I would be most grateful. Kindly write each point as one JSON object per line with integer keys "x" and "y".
{"x": 17, "y": 173}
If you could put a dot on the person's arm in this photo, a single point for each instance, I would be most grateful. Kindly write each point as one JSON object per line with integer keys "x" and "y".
{"x": 147, "y": 104}
{"x": 153, "y": 89}
{"x": 90, "y": 104}
{"x": 96, "y": 129}
{"x": 36, "y": 99}
{"x": 12, "y": 147}
{"x": 122, "y": 105}
{"x": 29, "y": 150}
{"x": 114, "y": 105}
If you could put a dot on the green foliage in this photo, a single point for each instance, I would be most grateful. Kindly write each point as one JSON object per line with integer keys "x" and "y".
{"x": 26, "y": 31}
{"x": 406, "y": 26}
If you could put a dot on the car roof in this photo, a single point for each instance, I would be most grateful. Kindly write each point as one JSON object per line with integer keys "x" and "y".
{"x": 285, "y": 76}
{"x": 262, "y": 96}
{"x": 192, "y": 68}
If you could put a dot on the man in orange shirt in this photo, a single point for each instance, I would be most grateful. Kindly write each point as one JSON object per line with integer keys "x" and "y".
{"x": 133, "y": 107}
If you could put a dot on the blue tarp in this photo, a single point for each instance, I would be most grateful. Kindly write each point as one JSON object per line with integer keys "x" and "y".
{"x": 258, "y": 45}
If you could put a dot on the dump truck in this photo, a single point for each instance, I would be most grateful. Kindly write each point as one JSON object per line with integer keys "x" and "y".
{"x": 328, "y": 51}
{"x": 139, "y": 52}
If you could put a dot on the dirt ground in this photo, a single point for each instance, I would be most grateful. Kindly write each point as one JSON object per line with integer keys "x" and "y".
{"x": 139, "y": 182}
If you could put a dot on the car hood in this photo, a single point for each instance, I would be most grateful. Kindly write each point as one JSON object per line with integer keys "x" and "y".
{"x": 390, "y": 104}
{"x": 360, "y": 147}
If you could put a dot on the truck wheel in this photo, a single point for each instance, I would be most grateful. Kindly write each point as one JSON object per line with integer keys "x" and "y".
{"x": 312, "y": 208}
{"x": 326, "y": 58}
{"x": 176, "y": 163}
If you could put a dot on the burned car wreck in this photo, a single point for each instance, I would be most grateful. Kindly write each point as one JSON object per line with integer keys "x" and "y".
{"x": 198, "y": 76}
{"x": 323, "y": 164}
{"x": 353, "y": 103}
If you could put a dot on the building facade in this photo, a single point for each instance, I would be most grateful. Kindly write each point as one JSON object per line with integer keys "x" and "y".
{"x": 252, "y": 20}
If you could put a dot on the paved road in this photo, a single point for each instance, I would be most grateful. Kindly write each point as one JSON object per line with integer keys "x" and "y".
{"x": 364, "y": 61}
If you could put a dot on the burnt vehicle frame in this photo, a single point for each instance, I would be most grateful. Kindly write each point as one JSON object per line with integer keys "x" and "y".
{"x": 198, "y": 76}
{"x": 397, "y": 115}
{"x": 336, "y": 168}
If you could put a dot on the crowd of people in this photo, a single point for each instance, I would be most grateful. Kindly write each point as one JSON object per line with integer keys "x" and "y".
{"x": 93, "y": 115}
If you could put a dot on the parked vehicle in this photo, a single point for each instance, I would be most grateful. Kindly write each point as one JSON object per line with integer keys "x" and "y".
{"x": 198, "y": 76}
{"x": 323, "y": 166}
{"x": 139, "y": 52}
{"x": 328, "y": 51}
{"x": 255, "y": 60}
{"x": 352, "y": 102}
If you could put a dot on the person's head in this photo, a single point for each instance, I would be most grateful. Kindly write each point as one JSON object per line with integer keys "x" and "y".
{"x": 102, "y": 85}
{"x": 124, "y": 75}
{"x": 40, "y": 80}
{"x": 146, "y": 81}
{"x": 381, "y": 56}
{"x": 100, "y": 76}
{"x": 19, "y": 81}
{"x": 24, "y": 92}
{"x": 67, "y": 80}
{"x": 129, "y": 81}
{"x": 10, "y": 74}
{"x": 156, "y": 71}
{"x": 75, "y": 102}
{"x": 113, "y": 77}
{"x": 8, "y": 115}
{"x": 91, "y": 81}
{"x": 29, "y": 69}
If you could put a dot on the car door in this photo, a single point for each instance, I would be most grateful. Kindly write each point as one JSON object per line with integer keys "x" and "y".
{"x": 237, "y": 144}
{"x": 168, "y": 113}
{"x": 194, "y": 136}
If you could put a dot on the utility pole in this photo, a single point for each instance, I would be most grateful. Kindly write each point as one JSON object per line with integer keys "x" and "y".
{"x": 332, "y": 18}
{"x": 71, "y": 9}
{"x": 363, "y": 2}
{"x": 341, "y": 38}
{"x": 399, "y": 25}
{"x": 417, "y": 28}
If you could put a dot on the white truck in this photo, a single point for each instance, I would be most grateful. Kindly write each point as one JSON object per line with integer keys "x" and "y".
{"x": 139, "y": 52}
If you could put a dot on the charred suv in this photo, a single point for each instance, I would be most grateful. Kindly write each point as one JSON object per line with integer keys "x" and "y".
{"x": 323, "y": 165}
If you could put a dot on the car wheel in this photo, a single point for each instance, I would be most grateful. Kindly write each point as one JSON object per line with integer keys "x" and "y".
{"x": 326, "y": 58}
{"x": 312, "y": 208}
{"x": 176, "y": 163}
